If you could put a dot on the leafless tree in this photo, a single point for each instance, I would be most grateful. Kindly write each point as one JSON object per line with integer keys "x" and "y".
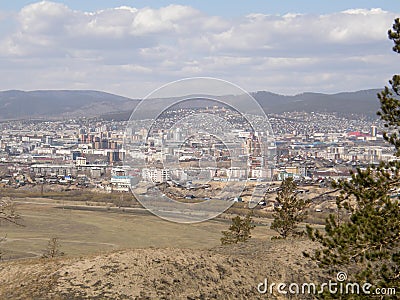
{"x": 8, "y": 212}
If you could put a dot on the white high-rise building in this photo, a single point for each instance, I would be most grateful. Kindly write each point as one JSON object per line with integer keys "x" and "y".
{"x": 374, "y": 130}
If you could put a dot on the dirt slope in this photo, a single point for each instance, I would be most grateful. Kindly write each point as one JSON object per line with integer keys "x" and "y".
{"x": 231, "y": 272}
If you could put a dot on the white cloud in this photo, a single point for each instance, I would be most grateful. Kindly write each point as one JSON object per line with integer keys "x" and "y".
{"x": 44, "y": 18}
{"x": 127, "y": 50}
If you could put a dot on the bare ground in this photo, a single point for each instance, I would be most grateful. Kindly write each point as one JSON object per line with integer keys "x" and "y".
{"x": 226, "y": 272}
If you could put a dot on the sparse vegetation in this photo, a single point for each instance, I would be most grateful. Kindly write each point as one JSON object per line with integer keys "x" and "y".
{"x": 239, "y": 231}
{"x": 289, "y": 210}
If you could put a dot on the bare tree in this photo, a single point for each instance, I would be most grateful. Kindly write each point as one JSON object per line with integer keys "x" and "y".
{"x": 8, "y": 212}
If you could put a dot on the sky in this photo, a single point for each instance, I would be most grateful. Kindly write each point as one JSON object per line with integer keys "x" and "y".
{"x": 131, "y": 48}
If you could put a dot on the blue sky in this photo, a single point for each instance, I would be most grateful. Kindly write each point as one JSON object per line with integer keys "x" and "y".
{"x": 228, "y": 8}
{"x": 285, "y": 47}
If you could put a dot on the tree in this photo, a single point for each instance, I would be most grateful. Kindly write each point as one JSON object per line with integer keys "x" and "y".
{"x": 239, "y": 231}
{"x": 366, "y": 244}
{"x": 8, "y": 212}
{"x": 2, "y": 239}
{"x": 389, "y": 97}
{"x": 288, "y": 210}
{"x": 53, "y": 249}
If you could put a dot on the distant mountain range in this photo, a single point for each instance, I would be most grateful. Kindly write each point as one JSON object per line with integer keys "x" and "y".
{"x": 70, "y": 104}
{"x": 361, "y": 102}
{"x": 60, "y": 104}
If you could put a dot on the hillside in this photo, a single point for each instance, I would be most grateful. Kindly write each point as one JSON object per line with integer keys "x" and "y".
{"x": 229, "y": 272}
{"x": 360, "y": 102}
{"x": 71, "y": 104}
{"x": 61, "y": 104}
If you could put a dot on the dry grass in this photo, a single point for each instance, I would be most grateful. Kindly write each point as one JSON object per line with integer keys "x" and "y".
{"x": 83, "y": 232}
{"x": 220, "y": 273}
{"x": 168, "y": 260}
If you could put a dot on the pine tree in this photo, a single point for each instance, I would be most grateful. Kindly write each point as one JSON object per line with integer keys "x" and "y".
{"x": 389, "y": 97}
{"x": 288, "y": 210}
{"x": 239, "y": 231}
{"x": 366, "y": 244}
{"x": 53, "y": 249}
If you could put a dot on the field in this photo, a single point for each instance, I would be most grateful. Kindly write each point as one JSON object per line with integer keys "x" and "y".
{"x": 127, "y": 253}
{"x": 82, "y": 231}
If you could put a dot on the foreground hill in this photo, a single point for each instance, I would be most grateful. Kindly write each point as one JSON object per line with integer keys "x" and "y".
{"x": 230, "y": 272}
{"x": 71, "y": 104}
